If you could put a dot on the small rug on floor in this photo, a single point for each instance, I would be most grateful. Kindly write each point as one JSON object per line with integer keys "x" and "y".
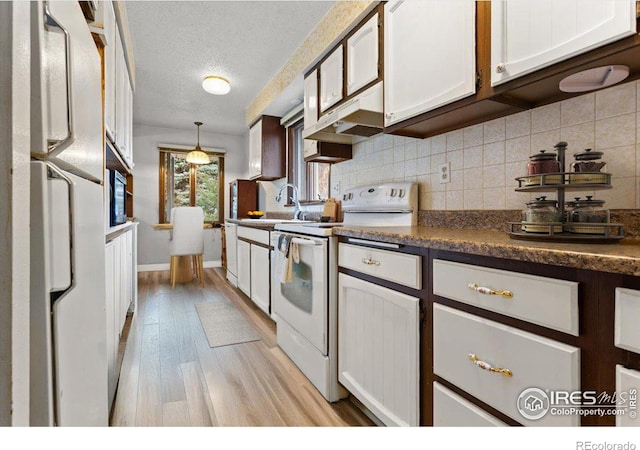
{"x": 224, "y": 324}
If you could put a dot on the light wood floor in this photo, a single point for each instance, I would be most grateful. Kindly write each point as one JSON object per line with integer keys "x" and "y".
{"x": 171, "y": 377}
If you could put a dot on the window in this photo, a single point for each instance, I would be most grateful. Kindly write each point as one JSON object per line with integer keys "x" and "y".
{"x": 185, "y": 184}
{"x": 311, "y": 178}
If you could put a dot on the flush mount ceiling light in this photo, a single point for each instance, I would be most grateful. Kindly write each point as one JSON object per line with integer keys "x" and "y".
{"x": 197, "y": 156}
{"x": 592, "y": 79}
{"x": 216, "y": 85}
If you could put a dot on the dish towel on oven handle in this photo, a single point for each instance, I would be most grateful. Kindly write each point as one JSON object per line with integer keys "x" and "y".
{"x": 287, "y": 254}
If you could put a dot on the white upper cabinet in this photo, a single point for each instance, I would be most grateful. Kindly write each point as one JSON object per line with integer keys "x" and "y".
{"x": 429, "y": 56}
{"x": 362, "y": 56}
{"x": 110, "y": 31}
{"x": 331, "y": 80}
{"x": 311, "y": 99}
{"x": 255, "y": 150}
{"x": 529, "y": 35}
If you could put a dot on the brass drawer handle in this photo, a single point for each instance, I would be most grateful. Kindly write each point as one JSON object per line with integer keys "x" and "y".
{"x": 486, "y": 366}
{"x": 370, "y": 262}
{"x": 489, "y": 291}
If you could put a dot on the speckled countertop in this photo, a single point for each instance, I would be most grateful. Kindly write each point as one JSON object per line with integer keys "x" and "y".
{"x": 253, "y": 223}
{"x": 622, "y": 258}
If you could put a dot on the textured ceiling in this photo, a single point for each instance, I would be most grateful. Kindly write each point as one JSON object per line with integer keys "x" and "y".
{"x": 176, "y": 44}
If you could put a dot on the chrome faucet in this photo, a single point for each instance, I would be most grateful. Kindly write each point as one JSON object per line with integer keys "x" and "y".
{"x": 298, "y": 211}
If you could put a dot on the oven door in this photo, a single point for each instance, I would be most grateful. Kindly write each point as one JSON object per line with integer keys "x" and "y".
{"x": 303, "y": 301}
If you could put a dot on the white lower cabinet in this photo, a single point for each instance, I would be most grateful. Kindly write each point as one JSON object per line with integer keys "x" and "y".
{"x": 465, "y": 346}
{"x": 231, "y": 236}
{"x": 260, "y": 277}
{"x": 451, "y": 410}
{"x": 378, "y": 342}
{"x": 244, "y": 267}
{"x": 121, "y": 296}
{"x": 627, "y": 385}
{"x": 111, "y": 286}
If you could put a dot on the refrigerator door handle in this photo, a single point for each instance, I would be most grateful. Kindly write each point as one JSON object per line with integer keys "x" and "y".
{"x": 56, "y": 146}
{"x": 60, "y": 273}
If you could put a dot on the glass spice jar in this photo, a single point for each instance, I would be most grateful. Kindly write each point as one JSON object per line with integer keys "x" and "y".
{"x": 587, "y": 168}
{"x": 539, "y": 213}
{"x": 543, "y": 163}
{"x": 583, "y": 213}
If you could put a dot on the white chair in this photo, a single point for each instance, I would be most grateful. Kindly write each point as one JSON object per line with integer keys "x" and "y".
{"x": 187, "y": 239}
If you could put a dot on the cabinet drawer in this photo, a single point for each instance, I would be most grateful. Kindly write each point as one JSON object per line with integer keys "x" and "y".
{"x": 534, "y": 362}
{"x": 392, "y": 266}
{"x": 451, "y": 410}
{"x": 543, "y": 301}
{"x": 627, "y": 333}
{"x": 254, "y": 234}
{"x": 627, "y": 383}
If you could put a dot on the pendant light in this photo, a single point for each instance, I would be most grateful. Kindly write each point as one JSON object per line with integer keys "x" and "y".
{"x": 197, "y": 156}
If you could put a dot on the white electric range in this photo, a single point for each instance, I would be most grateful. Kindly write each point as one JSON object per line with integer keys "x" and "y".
{"x": 306, "y": 307}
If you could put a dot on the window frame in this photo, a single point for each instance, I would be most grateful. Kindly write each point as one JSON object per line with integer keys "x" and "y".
{"x": 163, "y": 151}
{"x": 291, "y": 176}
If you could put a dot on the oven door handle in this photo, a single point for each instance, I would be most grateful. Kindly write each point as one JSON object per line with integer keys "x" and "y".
{"x": 301, "y": 241}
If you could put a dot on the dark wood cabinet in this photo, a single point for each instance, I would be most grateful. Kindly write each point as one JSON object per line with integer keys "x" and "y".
{"x": 267, "y": 149}
{"x": 243, "y": 197}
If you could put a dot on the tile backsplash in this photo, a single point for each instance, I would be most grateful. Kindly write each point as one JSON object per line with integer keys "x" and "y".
{"x": 485, "y": 158}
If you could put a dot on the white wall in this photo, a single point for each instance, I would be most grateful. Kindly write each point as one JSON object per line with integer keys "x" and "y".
{"x": 153, "y": 245}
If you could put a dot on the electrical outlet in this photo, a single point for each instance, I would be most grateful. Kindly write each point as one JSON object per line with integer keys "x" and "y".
{"x": 337, "y": 188}
{"x": 444, "y": 172}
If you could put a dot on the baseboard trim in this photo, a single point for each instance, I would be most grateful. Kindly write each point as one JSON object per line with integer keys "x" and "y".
{"x": 158, "y": 267}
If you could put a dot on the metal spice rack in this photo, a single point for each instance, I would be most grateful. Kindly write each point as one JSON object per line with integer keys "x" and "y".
{"x": 603, "y": 233}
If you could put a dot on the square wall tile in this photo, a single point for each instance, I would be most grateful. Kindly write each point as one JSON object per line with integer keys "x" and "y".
{"x": 577, "y": 110}
{"x": 435, "y": 184}
{"x": 616, "y": 100}
{"x": 456, "y": 158}
{"x": 578, "y": 137}
{"x": 621, "y": 161}
{"x": 493, "y": 198}
{"x": 455, "y": 200}
{"x": 387, "y": 156}
{"x": 622, "y": 195}
{"x": 455, "y": 140}
{"x": 544, "y": 141}
{"x": 616, "y": 131}
{"x": 473, "y": 178}
{"x": 473, "y": 199}
{"x": 456, "y": 182}
{"x": 398, "y": 169}
{"x": 439, "y": 144}
{"x": 512, "y": 171}
{"x": 424, "y": 165}
{"x": 436, "y": 160}
{"x": 515, "y": 200}
{"x": 545, "y": 118}
{"x": 473, "y": 157}
{"x": 518, "y": 125}
{"x": 494, "y": 130}
{"x": 398, "y": 154}
{"x": 411, "y": 149}
{"x": 518, "y": 149}
{"x": 410, "y": 168}
{"x": 424, "y": 147}
{"x": 438, "y": 200}
{"x": 493, "y": 153}
{"x": 473, "y": 136}
{"x": 493, "y": 176}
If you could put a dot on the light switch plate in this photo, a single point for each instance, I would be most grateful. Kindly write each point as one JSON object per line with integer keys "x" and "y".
{"x": 336, "y": 188}
{"x": 444, "y": 172}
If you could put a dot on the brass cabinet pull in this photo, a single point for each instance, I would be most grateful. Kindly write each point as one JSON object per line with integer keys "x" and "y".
{"x": 489, "y": 291}
{"x": 370, "y": 262}
{"x": 486, "y": 366}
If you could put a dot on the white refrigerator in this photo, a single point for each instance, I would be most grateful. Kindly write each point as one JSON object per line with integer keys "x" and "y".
{"x": 68, "y": 319}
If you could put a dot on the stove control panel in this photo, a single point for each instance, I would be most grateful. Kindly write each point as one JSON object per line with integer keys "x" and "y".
{"x": 388, "y": 196}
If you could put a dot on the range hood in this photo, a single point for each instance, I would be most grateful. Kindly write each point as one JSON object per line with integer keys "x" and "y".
{"x": 359, "y": 116}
